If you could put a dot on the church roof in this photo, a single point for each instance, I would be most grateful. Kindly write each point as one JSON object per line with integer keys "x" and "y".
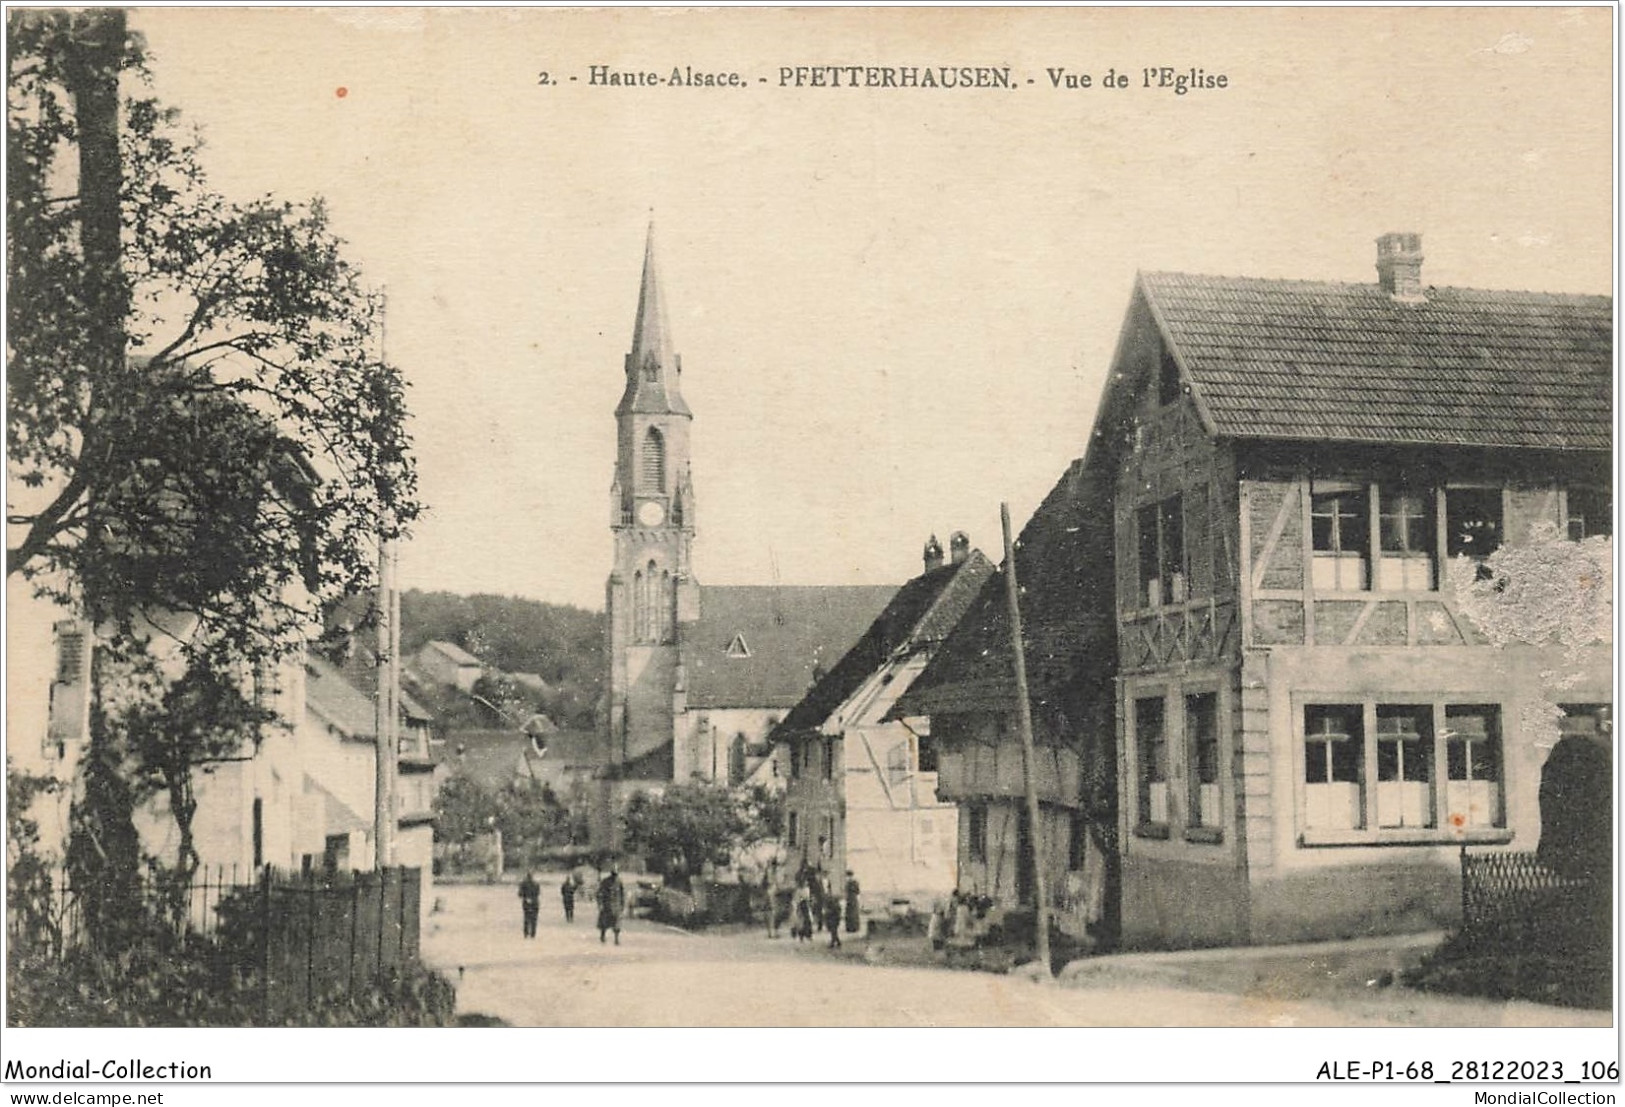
{"x": 654, "y": 392}
{"x": 764, "y": 645}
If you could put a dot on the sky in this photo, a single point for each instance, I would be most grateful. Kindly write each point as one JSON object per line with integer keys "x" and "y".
{"x": 896, "y": 308}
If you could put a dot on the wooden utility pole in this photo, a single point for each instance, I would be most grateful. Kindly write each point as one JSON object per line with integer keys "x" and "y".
{"x": 1024, "y": 715}
{"x": 386, "y": 712}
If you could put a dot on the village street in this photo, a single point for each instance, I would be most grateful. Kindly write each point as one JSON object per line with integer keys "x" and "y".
{"x": 662, "y": 976}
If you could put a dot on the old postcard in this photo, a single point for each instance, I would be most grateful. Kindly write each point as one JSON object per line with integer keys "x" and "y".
{"x": 646, "y": 522}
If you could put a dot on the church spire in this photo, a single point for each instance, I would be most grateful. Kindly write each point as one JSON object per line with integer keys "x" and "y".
{"x": 653, "y": 369}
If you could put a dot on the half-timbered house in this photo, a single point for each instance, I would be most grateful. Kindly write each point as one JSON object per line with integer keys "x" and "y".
{"x": 1312, "y": 714}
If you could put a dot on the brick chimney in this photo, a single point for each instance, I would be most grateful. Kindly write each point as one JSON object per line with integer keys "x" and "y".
{"x": 1399, "y": 267}
{"x": 933, "y": 554}
{"x": 958, "y": 547}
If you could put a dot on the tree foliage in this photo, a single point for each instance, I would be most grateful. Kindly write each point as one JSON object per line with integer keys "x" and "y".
{"x": 533, "y": 820}
{"x": 238, "y": 458}
{"x": 688, "y": 826}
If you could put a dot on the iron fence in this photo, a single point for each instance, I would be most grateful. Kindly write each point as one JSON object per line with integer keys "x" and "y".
{"x": 1510, "y": 898}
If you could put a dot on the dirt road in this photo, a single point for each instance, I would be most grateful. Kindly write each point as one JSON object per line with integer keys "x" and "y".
{"x": 660, "y": 976}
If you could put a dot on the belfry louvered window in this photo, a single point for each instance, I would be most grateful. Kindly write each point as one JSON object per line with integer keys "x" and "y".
{"x": 654, "y": 460}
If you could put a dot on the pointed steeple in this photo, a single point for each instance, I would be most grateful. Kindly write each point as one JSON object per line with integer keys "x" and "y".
{"x": 653, "y": 369}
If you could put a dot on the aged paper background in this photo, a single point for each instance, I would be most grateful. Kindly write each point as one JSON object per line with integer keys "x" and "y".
{"x": 895, "y": 306}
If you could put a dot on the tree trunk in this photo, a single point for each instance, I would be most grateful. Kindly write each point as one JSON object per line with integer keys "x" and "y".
{"x": 93, "y": 55}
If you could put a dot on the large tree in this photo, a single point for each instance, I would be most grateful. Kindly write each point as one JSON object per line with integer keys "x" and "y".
{"x": 205, "y": 444}
{"x": 202, "y": 423}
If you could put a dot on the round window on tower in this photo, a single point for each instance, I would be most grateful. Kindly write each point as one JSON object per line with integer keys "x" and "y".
{"x": 651, "y": 513}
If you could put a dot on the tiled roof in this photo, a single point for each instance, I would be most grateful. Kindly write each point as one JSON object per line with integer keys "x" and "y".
{"x": 499, "y": 758}
{"x": 789, "y": 632}
{"x": 455, "y": 654}
{"x": 1345, "y": 362}
{"x": 340, "y": 704}
{"x": 1063, "y": 614}
{"x": 922, "y": 613}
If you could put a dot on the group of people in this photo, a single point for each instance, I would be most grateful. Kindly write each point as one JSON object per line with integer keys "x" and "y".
{"x": 814, "y": 905}
{"x": 954, "y": 921}
{"x": 610, "y": 897}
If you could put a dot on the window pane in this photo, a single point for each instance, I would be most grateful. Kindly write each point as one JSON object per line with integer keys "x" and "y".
{"x": 1473, "y": 765}
{"x": 1315, "y": 762}
{"x": 1173, "y": 549}
{"x": 1591, "y": 512}
{"x": 1407, "y": 523}
{"x": 1151, "y": 745}
{"x": 1339, "y": 522}
{"x": 1404, "y": 766}
{"x": 1334, "y": 792}
{"x": 1149, "y": 562}
{"x": 1472, "y": 521}
{"x": 1148, "y": 729}
{"x": 1202, "y": 730}
{"x": 1202, "y": 757}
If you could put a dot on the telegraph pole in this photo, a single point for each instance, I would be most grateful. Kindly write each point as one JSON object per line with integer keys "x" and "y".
{"x": 386, "y": 712}
{"x": 386, "y": 701}
{"x": 1024, "y": 714}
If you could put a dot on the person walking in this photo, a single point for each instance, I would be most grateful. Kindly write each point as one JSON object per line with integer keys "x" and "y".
{"x": 770, "y": 892}
{"x": 852, "y": 891}
{"x": 611, "y": 905}
{"x": 567, "y": 892}
{"x": 832, "y": 919}
{"x": 530, "y": 902}
{"x": 801, "y": 924}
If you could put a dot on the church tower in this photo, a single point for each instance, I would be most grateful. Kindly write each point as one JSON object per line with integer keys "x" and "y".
{"x": 651, "y": 590}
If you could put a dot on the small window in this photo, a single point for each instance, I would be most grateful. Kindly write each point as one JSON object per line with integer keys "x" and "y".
{"x": 737, "y": 647}
{"x": 792, "y": 830}
{"x": 928, "y": 753}
{"x": 1404, "y": 766}
{"x": 1077, "y": 851}
{"x": 1472, "y": 521}
{"x": 829, "y": 758}
{"x": 1151, "y": 742}
{"x": 1168, "y": 385}
{"x": 897, "y": 767}
{"x": 1591, "y": 513}
{"x": 976, "y": 831}
{"x": 1202, "y": 758}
